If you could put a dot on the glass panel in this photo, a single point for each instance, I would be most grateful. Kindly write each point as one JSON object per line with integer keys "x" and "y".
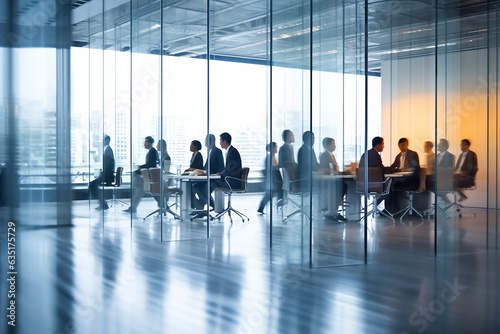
{"x": 290, "y": 119}
{"x": 339, "y": 123}
{"x": 96, "y": 117}
{"x": 462, "y": 118}
{"x": 184, "y": 101}
{"x": 145, "y": 130}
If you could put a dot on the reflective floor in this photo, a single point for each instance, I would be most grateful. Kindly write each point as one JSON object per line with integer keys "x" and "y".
{"x": 102, "y": 276}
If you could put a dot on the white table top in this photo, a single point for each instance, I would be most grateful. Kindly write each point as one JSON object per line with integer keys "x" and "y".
{"x": 195, "y": 177}
{"x": 335, "y": 176}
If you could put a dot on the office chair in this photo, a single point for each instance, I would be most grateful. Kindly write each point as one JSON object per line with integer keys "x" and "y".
{"x": 378, "y": 186}
{"x": 115, "y": 185}
{"x": 230, "y": 191}
{"x": 154, "y": 188}
{"x": 293, "y": 186}
{"x": 421, "y": 188}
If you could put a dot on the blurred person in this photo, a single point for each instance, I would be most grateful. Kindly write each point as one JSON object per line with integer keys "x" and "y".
{"x": 271, "y": 175}
{"x": 373, "y": 154}
{"x": 214, "y": 164}
{"x": 307, "y": 160}
{"x": 107, "y": 176}
{"x": 233, "y": 169}
{"x": 429, "y": 156}
{"x": 137, "y": 179}
{"x": 467, "y": 168}
{"x": 286, "y": 150}
{"x": 164, "y": 158}
{"x": 328, "y": 164}
{"x": 444, "y": 158}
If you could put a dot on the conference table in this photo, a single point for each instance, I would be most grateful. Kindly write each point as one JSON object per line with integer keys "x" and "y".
{"x": 185, "y": 185}
{"x": 353, "y": 211}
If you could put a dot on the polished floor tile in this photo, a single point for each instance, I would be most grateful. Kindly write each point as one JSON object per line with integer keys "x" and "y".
{"x": 110, "y": 273}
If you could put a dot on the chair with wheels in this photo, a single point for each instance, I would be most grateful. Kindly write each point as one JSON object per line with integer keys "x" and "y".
{"x": 229, "y": 191}
{"x": 155, "y": 186}
{"x": 421, "y": 188}
{"x": 378, "y": 186}
{"x": 115, "y": 185}
{"x": 294, "y": 186}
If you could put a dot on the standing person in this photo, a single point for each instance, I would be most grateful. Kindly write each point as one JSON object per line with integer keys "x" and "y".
{"x": 137, "y": 179}
{"x": 307, "y": 160}
{"x": 286, "y": 150}
{"x": 429, "y": 156}
{"x": 467, "y": 167}
{"x": 214, "y": 164}
{"x": 196, "y": 159}
{"x": 107, "y": 176}
{"x": 271, "y": 175}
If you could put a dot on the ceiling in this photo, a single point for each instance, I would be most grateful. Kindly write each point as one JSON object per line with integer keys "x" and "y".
{"x": 239, "y": 29}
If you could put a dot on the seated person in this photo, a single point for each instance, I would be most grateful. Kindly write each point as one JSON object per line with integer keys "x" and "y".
{"x": 196, "y": 159}
{"x": 137, "y": 179}
{"x": 444, "y": 160}
{"x": 164, "y": 161}
{"x": 374, "y": 158}
{"x": 306, "y": 159}
{"x": 407, "y": 160}
{"x": 233, "y": 168}
{"x": 429, "y": 156}
{"x": 286, "y": 150}
{"x": 214, "y": 164}
{"x": 107, "y": 176}
{"x": 328, "y": 165}
{"x": 466, "y": 169}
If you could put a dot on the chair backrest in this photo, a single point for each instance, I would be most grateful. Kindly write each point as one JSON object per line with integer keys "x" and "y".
{"x": 244, "y": 178}
{"x": 154, "y": 180}
{"x": 118, "y": 178}
{"x": 147, "y": 182}
{"x": 375, "y": 180}
{"x": 444, "y": 179}
{"x": 286, "y": 179}
{"x": 292, "y": 168}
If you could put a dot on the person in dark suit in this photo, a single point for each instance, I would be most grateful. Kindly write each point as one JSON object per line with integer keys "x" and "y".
{"x": 286, "y": 150}
{"x": 196, "y": 159}
{"x": 444, "y": 160}
{"x": 137, "y": 179}
{"x": 374, "y": 159}
{"x": 273, "y": 177}
{"x": 407, "y": 160}
{"x": 233, "y": 169}
{"x": 328, "y": 165}
{"x": 467, "y": 167}
{"x": 214, "y": 164}
{"x": 107, "y": 176}
{"x": 306, "y": 160}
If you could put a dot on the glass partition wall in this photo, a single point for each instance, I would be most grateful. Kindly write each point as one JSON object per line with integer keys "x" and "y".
{"x": 319, "y": 79}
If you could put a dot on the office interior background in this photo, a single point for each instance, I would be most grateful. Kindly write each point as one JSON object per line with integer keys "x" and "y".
{"x": 75, "y": 71}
